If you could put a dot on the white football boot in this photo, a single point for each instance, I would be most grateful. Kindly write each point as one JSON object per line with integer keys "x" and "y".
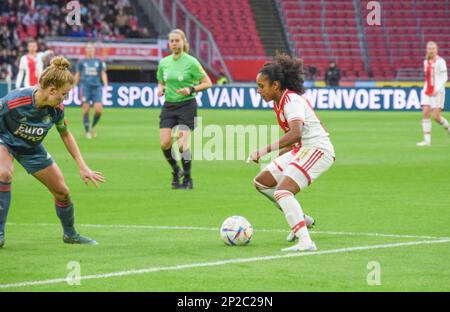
{"x": 302, "y": 246}
{"x": 423, "y": 143}
{"x": 309, "y": 224}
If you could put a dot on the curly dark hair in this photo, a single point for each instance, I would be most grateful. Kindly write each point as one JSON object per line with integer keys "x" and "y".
{"x": 287, "y": 70}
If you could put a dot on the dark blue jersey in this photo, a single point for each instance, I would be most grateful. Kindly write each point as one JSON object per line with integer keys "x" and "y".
{"x": 23, "y": 126}
{"x": 90, "y": 71}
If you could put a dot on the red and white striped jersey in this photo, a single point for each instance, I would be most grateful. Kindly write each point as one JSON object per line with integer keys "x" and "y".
{"x": 30, "y": 68}
{"x": 292, "y": 107}
{"x": 435, "y": 75}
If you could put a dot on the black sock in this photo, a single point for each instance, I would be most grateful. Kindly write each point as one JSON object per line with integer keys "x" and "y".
{"x": 171, "y": 160}
{"x": 86, "y": 122}
{"x": 64, "y": 211}
{"x": 96, "y": 119}
{"x": 5, "y": 202}
{"x": 186, "y": 160}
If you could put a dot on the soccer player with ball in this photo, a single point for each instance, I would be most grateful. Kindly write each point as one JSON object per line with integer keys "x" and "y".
{"x": 26, "y": 116}
{"x": 305, "y": 148}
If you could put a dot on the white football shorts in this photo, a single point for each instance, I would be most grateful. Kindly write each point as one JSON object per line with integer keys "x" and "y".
{"x": 304, "y": 167}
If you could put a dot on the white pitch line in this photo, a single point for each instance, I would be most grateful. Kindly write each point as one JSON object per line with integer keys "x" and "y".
{"x": 219, "y": 263}
{"x": 196, "y": 228}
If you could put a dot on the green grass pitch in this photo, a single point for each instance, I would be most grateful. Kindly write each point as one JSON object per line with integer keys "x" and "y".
{"x": 381, "y": 183}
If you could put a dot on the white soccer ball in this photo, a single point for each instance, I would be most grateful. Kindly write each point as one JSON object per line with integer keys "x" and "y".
{"x": 236, "y": 231}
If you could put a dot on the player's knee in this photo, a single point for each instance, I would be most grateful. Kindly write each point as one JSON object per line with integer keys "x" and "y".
{"x": 264, "y": 180}
{"x": 437, "y": 117}
{"x": 98, "y": 110}
{"x": 166, "y": 144}
{"x": 182, "y": 148}
{"x": 6, "y": 175}
{"x": 259, "y": 184}
{"x": 62, "y": 192}
{"x": 288, "y": 185}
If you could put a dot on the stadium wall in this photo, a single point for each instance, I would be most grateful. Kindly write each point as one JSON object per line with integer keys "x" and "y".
{"x": 239, "y": 97}
{"x": 244, "y": 70}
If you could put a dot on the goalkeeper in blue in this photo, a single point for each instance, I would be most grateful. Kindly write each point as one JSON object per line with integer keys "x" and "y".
{"x": 26, "y": 116}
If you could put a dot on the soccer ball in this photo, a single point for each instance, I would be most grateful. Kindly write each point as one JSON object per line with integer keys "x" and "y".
{"x": 236, "y": 231}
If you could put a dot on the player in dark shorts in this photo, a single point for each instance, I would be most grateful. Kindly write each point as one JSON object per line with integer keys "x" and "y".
{"x": 180, "y": 76}
{"x": 26, "y": 116}
{"x": 92, "y": 78}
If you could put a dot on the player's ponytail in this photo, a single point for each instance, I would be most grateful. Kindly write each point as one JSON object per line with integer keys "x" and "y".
{"x": 288, "y": 71}
{"x": 57, "y": 74}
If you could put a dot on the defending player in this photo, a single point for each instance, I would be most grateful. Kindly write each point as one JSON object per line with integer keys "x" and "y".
{"x": 31, "y": 65}
{"x": 26, "y": 116}
{"x": 433, "y": 93}
{"x": 89, "y": 76}
{"x": 305, "y": 148}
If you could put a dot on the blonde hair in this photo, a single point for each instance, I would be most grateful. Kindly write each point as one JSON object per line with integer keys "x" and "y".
{"x": 183, "y": 37}
{"x": 433, "y": 43}
{"x": 57, "y": 74}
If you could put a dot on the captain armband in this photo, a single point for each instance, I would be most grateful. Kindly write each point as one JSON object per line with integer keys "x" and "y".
{"x": 61, "y": 125}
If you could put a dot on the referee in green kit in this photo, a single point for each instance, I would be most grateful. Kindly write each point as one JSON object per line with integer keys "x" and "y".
{"x": 180, "y": 76}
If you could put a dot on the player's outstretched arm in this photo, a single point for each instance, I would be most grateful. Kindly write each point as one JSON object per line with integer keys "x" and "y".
{"x": 288, "y": 139}
{"x": 19, "y": 78}
{"x": 85, "y": 172}
{"x": 21, "y": 73}
{"x": 105, "y": 79}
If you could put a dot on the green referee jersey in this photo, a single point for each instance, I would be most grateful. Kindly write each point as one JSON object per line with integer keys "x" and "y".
{"x": 183, "y": 72}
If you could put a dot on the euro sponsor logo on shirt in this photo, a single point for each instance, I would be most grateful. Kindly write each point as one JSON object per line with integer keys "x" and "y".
{"x": 30, "y": 133}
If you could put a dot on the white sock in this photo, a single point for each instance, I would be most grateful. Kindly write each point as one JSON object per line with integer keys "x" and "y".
{"x": 444, "y": 123}
{"x": 426, "y": 126}
{"x": 294, "y": 214}
{"x": 267, "y": 191}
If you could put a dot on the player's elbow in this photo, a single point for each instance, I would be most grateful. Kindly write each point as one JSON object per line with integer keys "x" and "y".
{"x": 296, "y": 135}
{"x": 206, "y": 82}
{"x": 64, "y": 134}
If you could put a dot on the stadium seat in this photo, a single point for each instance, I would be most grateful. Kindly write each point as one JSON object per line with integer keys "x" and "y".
{"x": 306, "y": 24}
{"x": 232, "y": 34}
{"x": 400, "y": 44}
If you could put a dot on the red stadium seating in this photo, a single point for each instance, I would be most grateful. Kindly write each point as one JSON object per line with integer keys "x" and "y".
{"x": 232, "y": 25}
{"x": 324, "y": 34}
{"x": 234, "y": 30}
{"x": 396, "y": 48}
{"x": 328, "y": 30}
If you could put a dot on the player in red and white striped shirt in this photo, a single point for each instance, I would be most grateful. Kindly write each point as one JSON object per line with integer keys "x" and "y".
{"x": 433, "y": 93}
{"x": 305, "y": 149}
{"x": 31, "y": 66}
